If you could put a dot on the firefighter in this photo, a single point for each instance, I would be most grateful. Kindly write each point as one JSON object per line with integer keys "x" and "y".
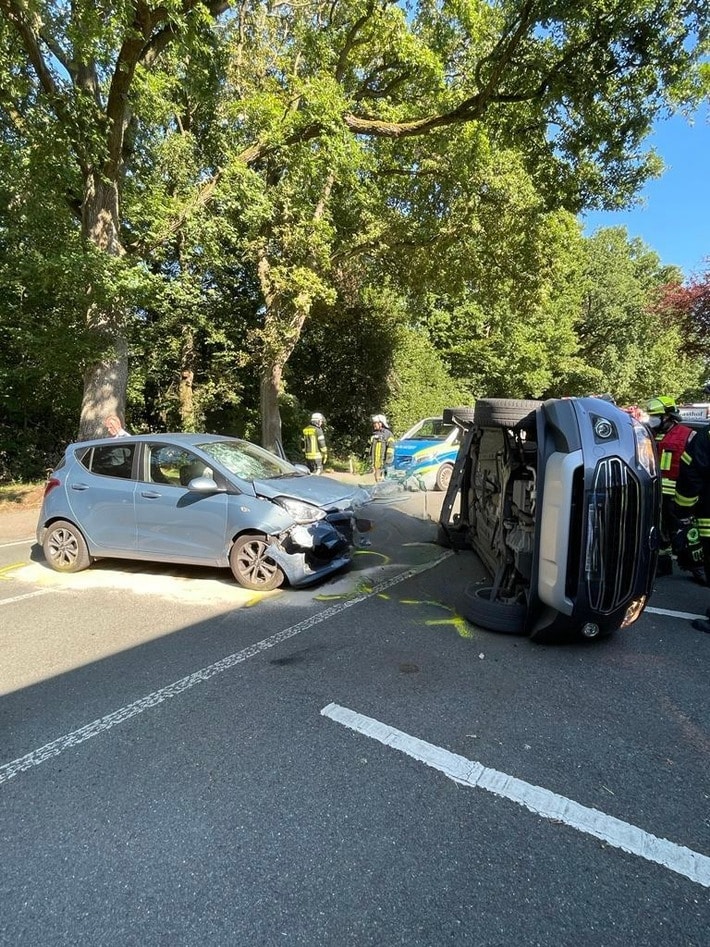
{"x": 381, "y": 446}
{"x": 671, "y": 438}
{"x": 313, "y": 444}
{"x": 692, "y": 497}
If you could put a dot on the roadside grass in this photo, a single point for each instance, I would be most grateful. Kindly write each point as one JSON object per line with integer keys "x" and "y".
{"x": 21, "y": 496}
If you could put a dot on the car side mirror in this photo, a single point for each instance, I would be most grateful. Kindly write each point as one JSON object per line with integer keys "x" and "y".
{"x": 301, "y": 468}
{"x": 204, "y": 485}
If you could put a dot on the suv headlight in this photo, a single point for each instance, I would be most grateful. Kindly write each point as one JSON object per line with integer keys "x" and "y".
{"x": 300, "y": 511}
{"x": 645, "y": 451}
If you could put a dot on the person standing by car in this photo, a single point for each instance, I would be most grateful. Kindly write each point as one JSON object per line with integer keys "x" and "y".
{"x": 671, "y": 438}
{"x": 313, "y": 443}
{"x": 381, "y": 446}
{"x": 692, "y": 497}
{"x": 114, "y": 426}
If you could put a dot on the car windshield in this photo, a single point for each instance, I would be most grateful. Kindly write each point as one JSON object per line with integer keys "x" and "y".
{"x": 247, "y": 461}
{"x": 431, "y": 429}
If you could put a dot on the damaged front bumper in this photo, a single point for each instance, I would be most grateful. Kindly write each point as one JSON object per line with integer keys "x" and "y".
{"x": 308, "y": 552}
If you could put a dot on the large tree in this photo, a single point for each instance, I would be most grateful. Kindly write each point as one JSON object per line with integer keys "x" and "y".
{"x": 318, "y": 105}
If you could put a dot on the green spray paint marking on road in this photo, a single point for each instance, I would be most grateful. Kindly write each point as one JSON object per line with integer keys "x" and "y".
{"x": 8, "y": 569}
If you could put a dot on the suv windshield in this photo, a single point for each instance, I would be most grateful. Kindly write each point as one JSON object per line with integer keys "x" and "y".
{"x": 248, "y": 461}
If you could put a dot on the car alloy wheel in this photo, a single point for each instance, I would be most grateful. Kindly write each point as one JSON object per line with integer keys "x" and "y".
{"x": 65, "y": 548}
{"x": 252, "y": 567}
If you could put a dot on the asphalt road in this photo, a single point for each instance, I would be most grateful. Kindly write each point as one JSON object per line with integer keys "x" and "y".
{"x": 186, "y": 763}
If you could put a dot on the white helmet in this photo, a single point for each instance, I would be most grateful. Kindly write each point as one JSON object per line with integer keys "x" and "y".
{"x": 379, "y": 418}
{"x": 317, "y": 418}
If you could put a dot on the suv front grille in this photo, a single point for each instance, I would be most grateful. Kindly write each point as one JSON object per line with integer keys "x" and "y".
{"x": 613, "y": 535}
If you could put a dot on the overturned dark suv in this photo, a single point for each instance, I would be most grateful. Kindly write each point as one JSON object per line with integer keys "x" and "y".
{"x": 560, "y": 500}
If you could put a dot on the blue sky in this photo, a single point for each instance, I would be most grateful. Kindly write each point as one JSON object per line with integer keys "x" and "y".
{"x": 674, "y": 219}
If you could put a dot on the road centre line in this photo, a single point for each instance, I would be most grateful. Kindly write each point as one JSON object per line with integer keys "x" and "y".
{"x": 20, "y": 542}
{"x": 629, "y": 838}
{"x": 96, "y": 727}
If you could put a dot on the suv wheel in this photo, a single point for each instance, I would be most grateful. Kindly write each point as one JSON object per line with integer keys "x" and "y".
{"x": 503, "y": 412}
{"x": 464, "y": 413}
{"x": 496, "y": 616}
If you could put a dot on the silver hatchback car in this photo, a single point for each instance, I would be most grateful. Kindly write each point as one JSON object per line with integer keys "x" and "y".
{"x": 200, "y": 499}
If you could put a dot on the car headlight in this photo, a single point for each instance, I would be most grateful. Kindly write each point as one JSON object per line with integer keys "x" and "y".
{"x": 300, "y": 511}
{"x": 645, "y": 451}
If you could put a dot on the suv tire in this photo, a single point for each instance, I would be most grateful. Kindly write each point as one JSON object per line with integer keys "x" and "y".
{"x": 503, "y": 412}
{"x": 464, "y": 413}
{"x": 496, "y": 616}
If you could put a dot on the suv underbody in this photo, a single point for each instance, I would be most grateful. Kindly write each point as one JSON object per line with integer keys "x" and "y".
{"x": 561, "y": 501}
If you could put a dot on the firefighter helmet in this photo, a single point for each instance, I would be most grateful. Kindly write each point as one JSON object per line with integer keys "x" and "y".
{"x": 317, "y": 418}
{"x": 661, "y": 405}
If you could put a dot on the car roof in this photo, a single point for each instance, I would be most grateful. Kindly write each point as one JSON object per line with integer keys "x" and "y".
{"x": 187, "y": 439}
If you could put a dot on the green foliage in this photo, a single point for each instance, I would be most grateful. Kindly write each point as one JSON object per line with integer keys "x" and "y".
{"x": 386, "y": 191}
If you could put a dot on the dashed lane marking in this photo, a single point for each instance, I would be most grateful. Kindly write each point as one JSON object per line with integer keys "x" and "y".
{"x": 543, "y": 802}
{"x": 671, "y": 614}
{"x": 20, "y": 598}
{"x": 96, "y": 727}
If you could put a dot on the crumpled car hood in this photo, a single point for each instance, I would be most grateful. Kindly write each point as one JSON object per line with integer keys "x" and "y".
{"x": 321, "y": 491}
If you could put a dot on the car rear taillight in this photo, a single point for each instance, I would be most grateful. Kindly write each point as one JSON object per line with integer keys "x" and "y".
{"x": 51, "y": 484}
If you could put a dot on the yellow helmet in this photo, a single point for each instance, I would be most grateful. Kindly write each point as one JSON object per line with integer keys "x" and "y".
{"x": 661, "y": 404}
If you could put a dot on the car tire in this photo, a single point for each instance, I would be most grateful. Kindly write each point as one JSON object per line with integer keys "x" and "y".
{"x": 251, "y": 567}
{"x": 496, "y": 616}
{"x": 65, "y": 548}
{"x": 503, "y": 412}
{"x": 463, "y": 413}
{"x": 443, "y": 476}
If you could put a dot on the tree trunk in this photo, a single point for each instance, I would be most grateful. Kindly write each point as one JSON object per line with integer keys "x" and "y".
{"x": 269, "y": 404}
{"x": 105, "y": 380}
{"x": 187, "y": 404}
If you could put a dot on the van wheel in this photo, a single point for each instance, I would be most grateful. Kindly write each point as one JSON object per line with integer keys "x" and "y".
{"x": 65, "y": 548}
{"x": 251, "y": 566}
{"x": 496, "y": 616}
{"x": 443, "y": 476}
{"x": 503, "y": 412}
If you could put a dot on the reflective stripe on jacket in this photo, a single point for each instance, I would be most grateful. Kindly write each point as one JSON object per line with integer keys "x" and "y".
{"x": 694, "y": 475}
{"x": 313, "y": 443}
{"x": 382, "y": 448}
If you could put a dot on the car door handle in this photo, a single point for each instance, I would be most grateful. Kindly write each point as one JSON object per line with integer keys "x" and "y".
{"x": 150, "y": 494}
{"x": 80, "y": 486}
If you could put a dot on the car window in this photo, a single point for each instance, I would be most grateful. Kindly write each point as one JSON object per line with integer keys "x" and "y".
{"x": 173, "y": 465}
{"x": 113, "y": 460}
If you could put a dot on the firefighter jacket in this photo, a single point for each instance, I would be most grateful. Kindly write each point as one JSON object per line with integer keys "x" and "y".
{"x": 692, "y": 495}
{"x": 670, "y": 447}
{"x": 313, "y": 443}
{"x": 382, "y": 448}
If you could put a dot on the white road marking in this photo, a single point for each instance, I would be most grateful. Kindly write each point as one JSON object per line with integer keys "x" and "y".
{"x": 19, "y": 598}
{"x": 20, "y": 542}
{"x": 96, "y": 727}
{"x": 549, "y": 805}
{"x": 671, "y": 614}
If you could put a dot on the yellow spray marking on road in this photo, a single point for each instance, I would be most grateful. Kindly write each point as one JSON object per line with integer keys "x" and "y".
{"x": 371, "y": 552}
{"x": 461, "y": 626}
{"x": 8, "y": 569}
{"x": 363, "y": 587}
